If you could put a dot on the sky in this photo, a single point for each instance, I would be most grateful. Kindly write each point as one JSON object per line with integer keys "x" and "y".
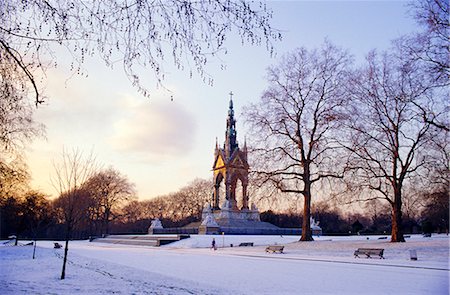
{"x": 161, "y": 145}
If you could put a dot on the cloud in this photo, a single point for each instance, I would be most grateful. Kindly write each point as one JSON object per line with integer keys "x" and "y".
{"x": 75, "y": 107}
{"x": 153, "y": 129}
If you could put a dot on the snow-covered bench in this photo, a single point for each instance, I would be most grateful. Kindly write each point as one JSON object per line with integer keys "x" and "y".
{"x": 369, "y": 252}
{"x": 275, "y": 248}
{"x": 246, "y": 244}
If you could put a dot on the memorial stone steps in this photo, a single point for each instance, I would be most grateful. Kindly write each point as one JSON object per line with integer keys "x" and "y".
{"x": 140, "y": 240}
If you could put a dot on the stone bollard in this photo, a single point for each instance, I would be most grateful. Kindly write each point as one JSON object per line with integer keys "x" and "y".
{"x": 413, "y": 254}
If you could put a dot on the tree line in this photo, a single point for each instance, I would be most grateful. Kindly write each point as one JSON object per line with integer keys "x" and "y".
{"x": 78, "y": 213}
{"x": 107, "y": 204}
{"x": 432, "y": 215}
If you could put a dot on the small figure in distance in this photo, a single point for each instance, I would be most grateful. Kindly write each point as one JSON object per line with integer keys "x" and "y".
{"x": 213, "y": 244}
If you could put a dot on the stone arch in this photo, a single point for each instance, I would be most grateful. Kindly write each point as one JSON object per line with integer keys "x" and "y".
{"x": 243, "y": 179}
{"x": 218, "y": 178}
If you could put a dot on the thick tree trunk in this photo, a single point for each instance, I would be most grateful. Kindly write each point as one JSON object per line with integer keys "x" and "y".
{"x": 397, "y": 231}
{"x": 306, "y": 225}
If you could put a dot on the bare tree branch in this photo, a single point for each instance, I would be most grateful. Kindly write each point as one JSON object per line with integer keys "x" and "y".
{"x": 296, "y": 120}
{"x": 389, "y": 134}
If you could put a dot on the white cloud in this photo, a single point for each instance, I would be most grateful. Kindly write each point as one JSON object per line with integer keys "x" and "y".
{"x": 153, "y": 129}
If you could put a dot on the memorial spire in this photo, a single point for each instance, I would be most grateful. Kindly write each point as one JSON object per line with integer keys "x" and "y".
{"x": 230, "y": 133}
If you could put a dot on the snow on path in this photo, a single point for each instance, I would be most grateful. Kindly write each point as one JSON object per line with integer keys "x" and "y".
{"x": 190, "y": 267}
{"x": 266, "y": 275}
{"x": 19, "y": 274}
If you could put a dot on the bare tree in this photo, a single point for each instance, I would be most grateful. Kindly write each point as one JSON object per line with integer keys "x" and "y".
{"x": 183, "y": 205}
{"x": 437, "y": 210}
{"x": 195, "y": 195}
{"x": 389, "y": 136}
{"x": 156, "y": 207}
{"x": 435, "y": 195}
{"x": 432, "y": 44}
{"x": 296, "y": 120}
{"x": 133, "y": 211}
{"x": 431, "y": 47}
{"x": 14, "y": 177}
{"x": 37, "y": 214}
{"x": 71, "y": 172}
{"x": 17, "y": 127}
{"x": 138, "y": 34}
{"x": 14, "y": 180}
{"x": 266, "y": 196}
{"x": 413, "y": 201}
{"x": 439, "y": 170}
{"x": 110, "y": 190}
{"x": 419, "y": 189}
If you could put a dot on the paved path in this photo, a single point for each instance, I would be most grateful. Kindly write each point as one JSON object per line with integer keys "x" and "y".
{"x": 282, "y": 274}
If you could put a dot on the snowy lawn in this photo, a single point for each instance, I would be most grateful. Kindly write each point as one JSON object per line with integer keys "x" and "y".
{"x": 325, "y": 266}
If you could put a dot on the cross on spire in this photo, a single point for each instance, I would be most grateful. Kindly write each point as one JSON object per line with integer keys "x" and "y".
{"x": 231, "y": 100}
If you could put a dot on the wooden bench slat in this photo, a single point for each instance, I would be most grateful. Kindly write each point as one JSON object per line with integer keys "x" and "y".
{"x": 275, "y": 248}
{"x": 368, "y": 252}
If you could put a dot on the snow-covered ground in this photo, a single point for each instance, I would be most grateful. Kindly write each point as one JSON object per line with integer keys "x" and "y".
{"x": 325, "y": 266}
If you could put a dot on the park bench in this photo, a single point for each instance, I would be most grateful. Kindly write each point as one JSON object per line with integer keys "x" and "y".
{"x": 57, "y": 245}
{"x": 275, "y": 248}
{"x": 369, "y": 252}
{"x": 246, "y": 244}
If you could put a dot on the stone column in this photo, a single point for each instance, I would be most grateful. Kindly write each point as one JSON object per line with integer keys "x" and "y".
{"x": 233, "y": 196}
{"x": 244, "y": 197}
{"x": 216, "y": 197}
{"x": 227, "y": 188}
